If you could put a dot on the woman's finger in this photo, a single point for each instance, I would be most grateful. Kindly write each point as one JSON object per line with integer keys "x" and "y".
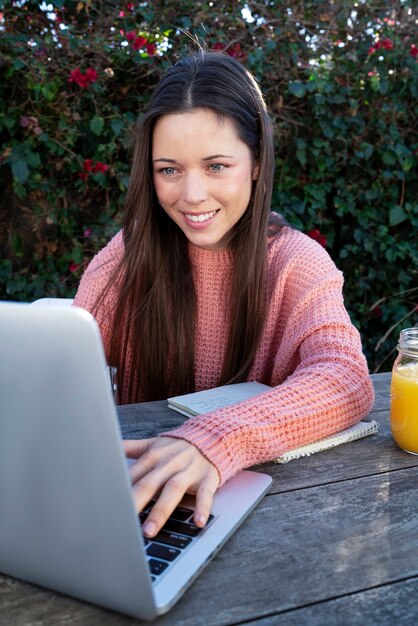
{"x": 134, "y": 448}
{"x": 204, "y": 497}
{"x": 168, "y": 500}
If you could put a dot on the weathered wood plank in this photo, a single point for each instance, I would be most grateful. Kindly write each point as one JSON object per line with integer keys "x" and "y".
{"x": 385, "y": 606}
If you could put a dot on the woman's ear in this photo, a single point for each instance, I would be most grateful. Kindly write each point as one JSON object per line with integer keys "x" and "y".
{"x": 256, "y": 170}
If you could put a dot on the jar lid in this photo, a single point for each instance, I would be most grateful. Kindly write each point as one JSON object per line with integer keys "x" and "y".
{"x": 408, "y": 340}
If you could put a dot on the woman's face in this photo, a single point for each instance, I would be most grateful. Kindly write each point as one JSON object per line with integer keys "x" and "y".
{"x": 203, "y": 175}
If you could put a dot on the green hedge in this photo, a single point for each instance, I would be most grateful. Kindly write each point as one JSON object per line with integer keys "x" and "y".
{"x": 341, "y": 80}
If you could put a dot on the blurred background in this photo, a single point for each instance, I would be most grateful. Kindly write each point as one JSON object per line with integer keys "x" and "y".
{"x": 340, "y": 79}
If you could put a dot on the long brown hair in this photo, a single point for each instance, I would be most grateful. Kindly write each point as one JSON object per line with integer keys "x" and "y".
{"x": 153, "y": 323}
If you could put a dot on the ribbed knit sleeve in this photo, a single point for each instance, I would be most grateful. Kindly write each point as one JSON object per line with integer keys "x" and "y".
{"x": 94, "y": 281}
{"x": 310, "y": 353}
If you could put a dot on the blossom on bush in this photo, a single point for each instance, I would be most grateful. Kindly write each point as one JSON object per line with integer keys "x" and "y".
{"x": 31, "y": 123}
{"x": 413, "y": 51}
{"x": 83, "y": 80}
{"x": 90, "y": 167}
{"x": 234, "y": 51}
{"x": 74, "y": 267}
{"x": 318, "y": 236}
{"x": 385, "y": 44}
{"x": 151, "y": 49}
{"x": 140, "y": 42}
{"x": 87, "y": 232}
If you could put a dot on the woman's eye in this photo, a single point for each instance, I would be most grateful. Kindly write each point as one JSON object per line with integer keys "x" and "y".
{"x": 169, "y": 171}
{"x": 217, "y": 167}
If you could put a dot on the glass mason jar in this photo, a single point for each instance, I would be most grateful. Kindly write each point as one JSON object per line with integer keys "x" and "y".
{"x": 404, "y": 392}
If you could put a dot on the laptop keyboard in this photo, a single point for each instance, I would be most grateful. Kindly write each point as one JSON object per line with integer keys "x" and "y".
{"x": 177, "y": 534}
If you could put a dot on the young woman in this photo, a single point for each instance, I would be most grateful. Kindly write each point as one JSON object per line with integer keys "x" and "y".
{"x": 204, "y": 286}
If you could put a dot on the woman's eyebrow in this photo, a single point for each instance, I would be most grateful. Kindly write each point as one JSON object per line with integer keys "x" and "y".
{"x": 208, "y": 158}
{"x": 165, "y": 159}
{"x": 217, "y": 156}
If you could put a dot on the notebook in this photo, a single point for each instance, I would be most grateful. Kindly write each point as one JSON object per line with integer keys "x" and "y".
{"x": 67, "y": 516}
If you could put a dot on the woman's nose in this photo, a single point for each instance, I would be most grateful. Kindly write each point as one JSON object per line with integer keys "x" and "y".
{"x": 194, "y": 189}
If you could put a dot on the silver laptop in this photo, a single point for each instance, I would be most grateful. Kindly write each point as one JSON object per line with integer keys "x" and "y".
{"x": 67, "y": 519}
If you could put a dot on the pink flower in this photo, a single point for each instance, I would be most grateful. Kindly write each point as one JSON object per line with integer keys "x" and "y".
{"x": 87, "y": 232}
{"x": 413, "y": 51}
{"x": 318, "y": 236}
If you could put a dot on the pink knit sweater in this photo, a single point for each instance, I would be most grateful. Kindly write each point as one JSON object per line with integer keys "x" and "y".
{"x": 310, "y": 353}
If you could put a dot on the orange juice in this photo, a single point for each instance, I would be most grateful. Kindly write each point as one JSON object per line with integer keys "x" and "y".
{"x": 404, "y": 406}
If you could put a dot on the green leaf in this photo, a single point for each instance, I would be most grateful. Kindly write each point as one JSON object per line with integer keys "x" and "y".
{"x": 117, "y": 126}
{"x": 397, "y": 215}
{"x": 97, "y": 125}
{"x": 301, "y": 157}
{"x": 18, "y": 64}
{"x": 20, "y": 170}
{"x": 389, "y": 158}
{"x": 297, "y": 88}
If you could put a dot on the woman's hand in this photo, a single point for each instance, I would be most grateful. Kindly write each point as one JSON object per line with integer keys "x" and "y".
{"x": 171, "y": 468}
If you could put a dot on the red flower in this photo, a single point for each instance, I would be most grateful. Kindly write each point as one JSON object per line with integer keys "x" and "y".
{"x": 413, "y": 51}
{"x": 88, "y": 165}
{"x": 100, "y": 167}
{"x": 130, "y": 6}
{"x": 73, "y": 267}
{"x": 83, "y": 80}
{"x": 139, "y": 43}
{"x": 318, "y": 236}
{"x": 234, "y": 51}
{"x": 87, "y": 232}
{"x": 151, "y": 49}
{"x": 131, "y": 36}
{"x": 91, "y": 75}
{"x": 387, "y": 44}
{"x": 376, "y": 311}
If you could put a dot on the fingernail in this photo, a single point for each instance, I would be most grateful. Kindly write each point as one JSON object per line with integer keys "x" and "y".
{"x": 149, "y": 529}
{"x": 200, "y": 520}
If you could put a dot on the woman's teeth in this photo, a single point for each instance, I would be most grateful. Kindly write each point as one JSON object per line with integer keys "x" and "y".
{"x": 200, "y": 218}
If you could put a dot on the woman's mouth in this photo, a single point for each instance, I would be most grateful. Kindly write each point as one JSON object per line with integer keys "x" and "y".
{"x": 202, "y": 217}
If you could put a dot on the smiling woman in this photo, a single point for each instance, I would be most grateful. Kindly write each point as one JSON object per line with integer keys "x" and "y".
{"x": 206, "y": 286}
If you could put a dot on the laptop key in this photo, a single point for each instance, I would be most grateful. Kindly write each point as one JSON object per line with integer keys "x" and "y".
{"x": 181, "y": 527}
{"x": 157, "y": 567}
{"x": 181, "y": 515}
{"x": 162, "y": 552}
{"x": 171, "y": 539}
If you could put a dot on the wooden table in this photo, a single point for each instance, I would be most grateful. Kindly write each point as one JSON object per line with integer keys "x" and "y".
{"x": 335, "y": 542}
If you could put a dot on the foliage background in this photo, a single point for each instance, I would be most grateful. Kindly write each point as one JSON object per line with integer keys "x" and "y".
{"x": 341, "y": 81}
